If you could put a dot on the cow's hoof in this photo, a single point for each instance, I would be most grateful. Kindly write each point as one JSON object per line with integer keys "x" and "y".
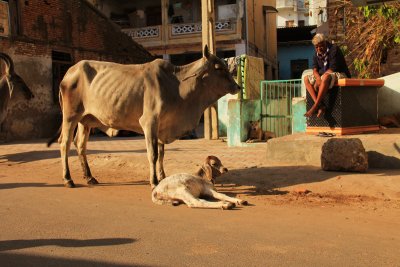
{"x": 92, "y": 181}
{"x": 153, "y": 185}
{"x": 228, "y": 206}
{"x": 69, "y": 184}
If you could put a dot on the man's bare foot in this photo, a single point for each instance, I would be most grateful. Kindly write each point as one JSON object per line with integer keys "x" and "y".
{"x": 321, "y": 111}
{"x": 311, "y": 111}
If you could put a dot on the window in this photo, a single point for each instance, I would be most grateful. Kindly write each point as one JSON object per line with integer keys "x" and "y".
{"x": 4, "y": 18}
{"x": 13, "y": 17}
{"x": 289, "y": 23}
{"x": 297, "y": 67}
{"x": 153, "y": 16}
{"x": 61, "y": 63}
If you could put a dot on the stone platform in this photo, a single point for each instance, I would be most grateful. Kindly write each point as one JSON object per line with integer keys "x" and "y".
{"x": 383, "y": 148}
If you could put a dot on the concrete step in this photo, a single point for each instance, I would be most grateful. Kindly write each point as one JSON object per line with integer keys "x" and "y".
{"x": 383, "y": 148}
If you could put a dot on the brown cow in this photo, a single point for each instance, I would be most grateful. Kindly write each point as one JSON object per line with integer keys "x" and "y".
{"x": 158, "y": 99}
{"x": 10, "y": 80}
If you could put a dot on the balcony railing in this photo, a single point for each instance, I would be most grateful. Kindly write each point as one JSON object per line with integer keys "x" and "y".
{"x": 178, "y": 30}
{"x": 285, "y": 3}
{"x": 190, "y": 28}
{"x": 154, "y": 37}
{"x": 296, "y": 5}
{"x": 144, "y": 33}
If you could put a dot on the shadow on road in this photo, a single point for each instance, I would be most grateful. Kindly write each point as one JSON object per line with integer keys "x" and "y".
{"x": 4, "y": 186}
{"x": 20, "y": 185}
{"x": 31, "y": 156}
{"x": 19, "y": 259}
{"x": 26, "y": 243}
{"x": 22, "y": 260}
{"x": 269, "y": 180}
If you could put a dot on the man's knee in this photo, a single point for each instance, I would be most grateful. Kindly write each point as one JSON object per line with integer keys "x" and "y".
{"x": 305, "y": 78}
{"x": 326, "y": 78}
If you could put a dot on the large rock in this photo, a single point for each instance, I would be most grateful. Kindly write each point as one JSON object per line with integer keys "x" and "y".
{"x": 344, "y": 154}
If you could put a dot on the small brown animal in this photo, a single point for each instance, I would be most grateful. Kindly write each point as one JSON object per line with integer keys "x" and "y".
{"x": 390, "y": 120}
{"x": 187, "y": 188}
{"x": 256, "y": 134}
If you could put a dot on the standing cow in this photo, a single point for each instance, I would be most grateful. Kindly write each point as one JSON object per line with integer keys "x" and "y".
{"x": 10, "y": 80}
{"x": 158, "y": 99}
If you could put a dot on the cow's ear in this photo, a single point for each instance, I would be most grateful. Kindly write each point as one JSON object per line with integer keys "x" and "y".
{"x": 206, "y": 52}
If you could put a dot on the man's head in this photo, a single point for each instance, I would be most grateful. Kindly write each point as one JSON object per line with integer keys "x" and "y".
{"x": 320, "y": 43}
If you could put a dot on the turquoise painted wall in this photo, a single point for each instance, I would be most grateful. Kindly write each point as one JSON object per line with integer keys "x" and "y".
{"x": 299, "y": 122}
{"x": 288, "y": 53}
{"x": 240, "y": 113}
{"x": 223, "y": 116}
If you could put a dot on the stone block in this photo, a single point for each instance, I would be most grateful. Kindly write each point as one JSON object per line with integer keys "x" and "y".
{"x": 344, "y": 154}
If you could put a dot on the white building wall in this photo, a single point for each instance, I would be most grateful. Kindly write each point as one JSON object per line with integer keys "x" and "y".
{"x": 318, "y": 12}
{"x": 292, "y": 10}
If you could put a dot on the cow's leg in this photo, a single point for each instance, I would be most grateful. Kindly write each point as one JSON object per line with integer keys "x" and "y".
{"x": 150, "y": 128}
{"x": 193, "y": 202}
{"x": 68, "y": 127}
{"x": 212, "y": 193}
{"x": 160, "y": 162}
{"x": 81, "y": 138}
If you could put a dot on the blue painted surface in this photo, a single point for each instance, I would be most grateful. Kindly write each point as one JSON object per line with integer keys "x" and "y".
{"x": 288, "y": 53}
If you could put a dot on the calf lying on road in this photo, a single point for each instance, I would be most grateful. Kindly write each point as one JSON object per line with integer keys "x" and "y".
{"x": 187, "y": 188}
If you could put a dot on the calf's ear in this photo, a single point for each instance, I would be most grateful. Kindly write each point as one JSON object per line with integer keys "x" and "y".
{"x": 207, "y": 172}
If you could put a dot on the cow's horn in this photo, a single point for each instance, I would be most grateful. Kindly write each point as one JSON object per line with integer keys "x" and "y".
{"x": 206, "y": 52}
{"x": 9, "y": 62}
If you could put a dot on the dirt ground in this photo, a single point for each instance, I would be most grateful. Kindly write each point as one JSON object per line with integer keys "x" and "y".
{"x": 347, "y": 219}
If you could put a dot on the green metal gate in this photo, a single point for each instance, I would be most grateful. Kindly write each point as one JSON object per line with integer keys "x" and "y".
{"x": 276, "y": 105}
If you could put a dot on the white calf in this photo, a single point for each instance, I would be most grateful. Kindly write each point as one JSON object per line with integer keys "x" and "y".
{"x": 187, "y": 188}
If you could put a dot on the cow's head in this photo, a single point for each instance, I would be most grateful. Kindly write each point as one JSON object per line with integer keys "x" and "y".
{"x": 12, "y": 79}
{"x": 216, "y": 75}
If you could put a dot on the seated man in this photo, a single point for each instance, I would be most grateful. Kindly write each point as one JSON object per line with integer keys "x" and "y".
{"x": 329, "y": 65}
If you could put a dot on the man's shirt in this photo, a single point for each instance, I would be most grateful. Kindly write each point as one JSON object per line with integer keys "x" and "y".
{"x": 336, "y": 61}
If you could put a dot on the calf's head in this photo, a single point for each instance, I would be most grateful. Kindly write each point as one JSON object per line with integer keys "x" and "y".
{"x": 212, "y": 168}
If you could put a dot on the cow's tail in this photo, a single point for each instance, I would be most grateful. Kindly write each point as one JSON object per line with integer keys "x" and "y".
{"x": 58, "y": 134}
{"x": 55, "y": 137}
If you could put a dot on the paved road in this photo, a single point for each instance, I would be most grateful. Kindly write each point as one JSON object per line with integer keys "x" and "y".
{"x": 116, "y": 224}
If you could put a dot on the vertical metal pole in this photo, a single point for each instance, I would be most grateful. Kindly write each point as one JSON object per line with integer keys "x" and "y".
{"x": 261, "y": 105}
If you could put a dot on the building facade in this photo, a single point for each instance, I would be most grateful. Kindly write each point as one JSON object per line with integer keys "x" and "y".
{"x": 171, "y": 29}
{"x": 292, "y": 13}
{"x": 295, "y": 51}
{"x": 44, "y": 38}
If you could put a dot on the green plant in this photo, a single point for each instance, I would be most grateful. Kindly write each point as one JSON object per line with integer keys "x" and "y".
{"x": 370, "y": 31}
